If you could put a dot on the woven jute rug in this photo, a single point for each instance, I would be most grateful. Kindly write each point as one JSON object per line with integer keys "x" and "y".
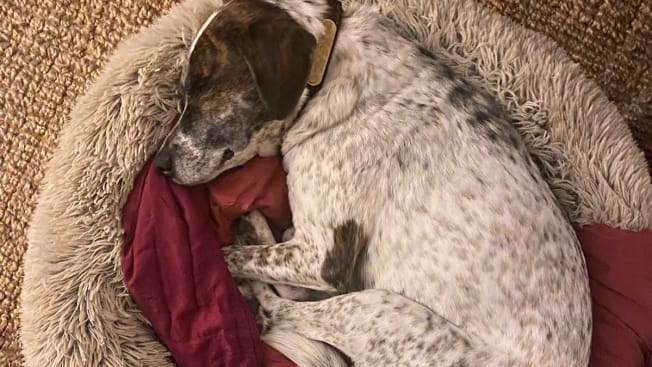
{"x": 52, "y": 50}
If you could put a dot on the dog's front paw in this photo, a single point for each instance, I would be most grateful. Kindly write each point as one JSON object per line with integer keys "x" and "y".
{"x": 244, "y": 232}
{"x": 235, "y": 258}
{"x": 272, "y": 308}
{"x": 244, "y": 287}
{"x": 265, "y": 294}
{"x": 266, "y": 317}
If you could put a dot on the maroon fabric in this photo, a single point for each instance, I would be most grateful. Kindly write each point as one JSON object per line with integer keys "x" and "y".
{"x": 274, "y": 358}
{"x": 620, "y": 271}
{"x": 260, "y": 184}
{"x": 175, "y": 271}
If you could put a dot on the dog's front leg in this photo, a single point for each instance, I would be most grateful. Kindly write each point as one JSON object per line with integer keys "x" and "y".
{"x": 292, "y": 263}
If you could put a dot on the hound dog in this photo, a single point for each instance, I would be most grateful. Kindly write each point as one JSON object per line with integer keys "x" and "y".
{"x": 402, "y": 176}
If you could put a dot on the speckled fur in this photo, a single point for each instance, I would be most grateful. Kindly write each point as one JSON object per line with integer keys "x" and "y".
{"x": 456, "y": 215}
{"x": 377, "y": 327}
{"x": 302, "y": 350}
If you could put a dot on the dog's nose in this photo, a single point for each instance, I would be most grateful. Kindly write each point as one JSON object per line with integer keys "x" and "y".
{"x": 163, "y": 162}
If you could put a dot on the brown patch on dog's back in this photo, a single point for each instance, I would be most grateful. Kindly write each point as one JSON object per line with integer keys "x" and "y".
{"x": 345, "y": 262}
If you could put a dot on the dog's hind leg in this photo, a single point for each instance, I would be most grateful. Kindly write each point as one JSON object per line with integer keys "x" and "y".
{"x": 380, "y": 328}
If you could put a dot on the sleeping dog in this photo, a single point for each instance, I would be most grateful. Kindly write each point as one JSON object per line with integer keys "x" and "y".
{"x": 402, "y": 176}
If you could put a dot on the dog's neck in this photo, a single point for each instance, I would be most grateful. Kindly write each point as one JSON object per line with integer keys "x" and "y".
{"x": 310, "y": 15}
{"x": 322, "y": 19}
{"x": 371, "y": 62}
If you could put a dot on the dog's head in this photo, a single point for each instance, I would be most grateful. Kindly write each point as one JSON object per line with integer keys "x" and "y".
{"x": 247, "y": 70}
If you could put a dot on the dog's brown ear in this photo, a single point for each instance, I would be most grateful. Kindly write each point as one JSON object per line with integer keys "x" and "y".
{"x": 279, "y": 55}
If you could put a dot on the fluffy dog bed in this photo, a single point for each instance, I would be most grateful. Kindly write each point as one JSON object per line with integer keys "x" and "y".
{"x": 76, "y": 310}
{"x": 53, "y": 49}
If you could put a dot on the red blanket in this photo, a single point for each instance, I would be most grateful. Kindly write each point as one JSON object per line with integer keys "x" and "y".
{"x": 620, "y": 271}
{"x": 175, "y": 271}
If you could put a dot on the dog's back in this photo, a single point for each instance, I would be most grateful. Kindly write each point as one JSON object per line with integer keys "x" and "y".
{"x": 425, "y": 176}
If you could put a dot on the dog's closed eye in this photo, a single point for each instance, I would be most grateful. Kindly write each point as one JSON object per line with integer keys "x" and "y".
{"x": 228, "y": 154}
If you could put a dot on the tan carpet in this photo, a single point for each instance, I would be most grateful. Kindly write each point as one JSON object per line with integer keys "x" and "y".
{"x": 51, "y": 51}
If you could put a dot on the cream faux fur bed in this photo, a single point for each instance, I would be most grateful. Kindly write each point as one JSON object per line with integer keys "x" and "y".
{"x": 75, "y": 308}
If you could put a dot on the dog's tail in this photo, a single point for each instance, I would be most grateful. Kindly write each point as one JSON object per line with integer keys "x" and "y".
{"x": 303, "y": 351}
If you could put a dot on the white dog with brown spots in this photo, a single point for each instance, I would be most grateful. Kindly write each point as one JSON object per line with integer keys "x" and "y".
{"x": 403, "y": 176}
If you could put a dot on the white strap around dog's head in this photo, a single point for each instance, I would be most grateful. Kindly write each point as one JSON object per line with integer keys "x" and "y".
{"x": 193, "y": 44}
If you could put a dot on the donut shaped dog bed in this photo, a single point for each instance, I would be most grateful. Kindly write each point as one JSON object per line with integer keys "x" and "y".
{"x": 76, "y": 309}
